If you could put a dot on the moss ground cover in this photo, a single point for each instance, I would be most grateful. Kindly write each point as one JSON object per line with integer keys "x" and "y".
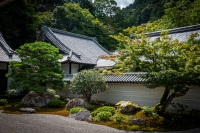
{"x": 154, "y": 122}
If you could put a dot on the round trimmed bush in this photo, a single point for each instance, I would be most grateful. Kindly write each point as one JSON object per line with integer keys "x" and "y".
{"x": 104, "y": 115}
{"x": 117, "y": 118}
{"x": 76, "y": 110}
{"x": 55, "y": 103}
{"x": 104, "y": 108}
{"x": 3, "y": 102}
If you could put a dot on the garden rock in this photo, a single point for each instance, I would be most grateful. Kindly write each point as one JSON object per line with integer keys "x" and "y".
{"x": 77, "y": 102}
{"x": 127, "y": 107}
{"x": 83, "y": 115}
{"x": 137, "y": 121}
{"x": 27, "y": 110}
{"x": 34, "y": 99}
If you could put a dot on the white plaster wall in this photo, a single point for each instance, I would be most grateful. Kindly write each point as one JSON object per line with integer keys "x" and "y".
{"x": 65, "y": 92}
{"x": 65, "y": 68}
{"x": 130, "y": 92}
{"x": 191, "y": 99}
{"x": 74, "y": 68}
{"x": 140, "y": 95}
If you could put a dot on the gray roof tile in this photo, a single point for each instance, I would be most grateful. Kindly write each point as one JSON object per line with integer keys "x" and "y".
{"x": 136, "y": 77}
{"x": 126, "y": 78}
{"x": 6, "y": 53}
{"x": 181, "y": 33}
{"x": 84, "y": 49}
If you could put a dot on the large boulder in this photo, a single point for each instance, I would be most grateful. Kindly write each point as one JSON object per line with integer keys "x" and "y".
{"x": 27, "y": 110}
{"x": 77, "y": 102}
{"x": 83, "y": 115}
{"x": 34, "y": 99}
{"x": 127, "y": 107}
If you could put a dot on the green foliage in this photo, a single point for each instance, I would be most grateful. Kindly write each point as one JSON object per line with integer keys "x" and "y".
{"x": 76, "y": 110}
{"x": 194, "y": 113}
{"x": 38, "y": 67}
{"x": 3, "y": 102}
{"x": 117, "y": 118}
{"x": 71, "y": 17}
{"x": 85, "y": 4}
{"x": 168, "y": 63}
{"x": 66, "y": 100}
{"x": 180, "y": 108}
{"x": 149, "y": 112}
{"x": 17, "y": 23}
{"x": 177, "y": 14}
{"x": 105, "y": 109}
{"x": 90, "y": 107}
{"x": 46, "y": 5}
{"x": 51, "y": 91}
{"x": 87, "y": 83}
{"x": 105, "y": 8}
{"x": 103, "y": 116}
{"x": 143, "y": 11}
{"x": 54, "y": 103}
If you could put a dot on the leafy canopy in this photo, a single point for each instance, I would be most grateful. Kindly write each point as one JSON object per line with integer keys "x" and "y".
{"x": 39, "y": 67}
{"x": 169, "y": 63}
{"x": 87, "y": 83}
{"x": 71, "y": 17}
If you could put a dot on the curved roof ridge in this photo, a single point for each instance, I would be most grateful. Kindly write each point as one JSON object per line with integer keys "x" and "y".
{"x": 71, "y": 34}
{"x": 80, "y": 36}
{"x": 175, "y": 30}
{"x": 5, "y": 45}
{"x": 44, "y": 28}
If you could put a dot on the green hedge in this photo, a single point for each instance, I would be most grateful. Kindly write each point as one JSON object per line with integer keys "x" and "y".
{"x": 54, "y": 103}
{"x": 104, "y": 108}
{"x": 76, "y": 110}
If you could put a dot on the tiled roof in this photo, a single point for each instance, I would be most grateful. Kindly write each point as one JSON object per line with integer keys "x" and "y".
{"x": 181, "y": 33}
{"x": 101, "y": 63}
{"x": 75, "y": 48}
{"x": 126, "y": 78}
{"x": 135, "y": 77}
{"x": 6, "y": 53}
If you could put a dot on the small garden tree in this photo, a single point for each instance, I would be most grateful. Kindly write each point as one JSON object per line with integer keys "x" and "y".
{"x": 169, "y": 63}
{"x": 87, "y": 83}
{"x": 39, "y": 66}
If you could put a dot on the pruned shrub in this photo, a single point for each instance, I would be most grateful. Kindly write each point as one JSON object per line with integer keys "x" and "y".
{"x": 104, "y": 108}
{"x": 90, "y": 107}
{"x": 118, "y": 118}
{"x": 51, "y": 91}
{"x": 54, "y": 103}
{"x": 66, "y": 100}
{"x": 149, "y": 112}
{"x": 76, "y": 110}
{"x": 103, "y": 116}
{"x": 87, "y": 83}
{"x": 3, "y": 102}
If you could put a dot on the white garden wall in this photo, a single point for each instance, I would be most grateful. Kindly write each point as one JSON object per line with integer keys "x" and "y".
{"x": 139, "y": 94}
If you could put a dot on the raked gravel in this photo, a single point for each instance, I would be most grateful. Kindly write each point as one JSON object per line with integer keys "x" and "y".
{"x": 45, "y": 123}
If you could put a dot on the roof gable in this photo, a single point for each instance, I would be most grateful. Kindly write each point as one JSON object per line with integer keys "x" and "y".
{"x": 75, "y": 47}
{"x": 6, "y": 53}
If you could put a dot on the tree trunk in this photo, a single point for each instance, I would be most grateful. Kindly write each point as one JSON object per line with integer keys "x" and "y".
{"x": 88, "y": 97}
{"x": 161, "y": 107}
{"x": 165, "y": 95}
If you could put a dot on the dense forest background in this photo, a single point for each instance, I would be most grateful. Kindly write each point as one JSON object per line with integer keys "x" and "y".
{"x": 21, "y": 20}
